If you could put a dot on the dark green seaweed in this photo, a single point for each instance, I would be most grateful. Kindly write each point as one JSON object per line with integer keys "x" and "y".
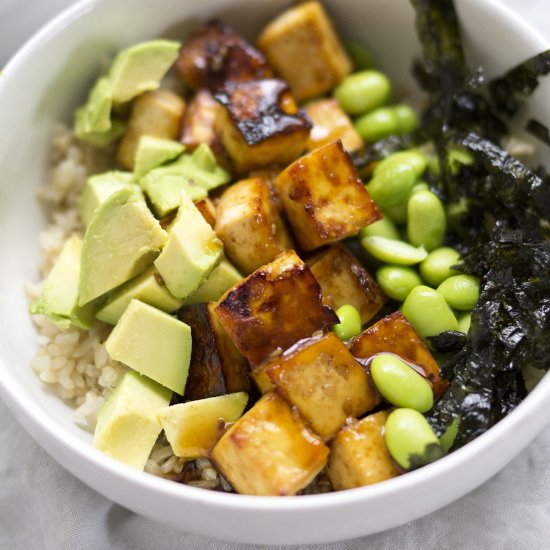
{"x": 498, "y": 214}
{"x": 539, "y": 130}
{"x": 509, "y": 92}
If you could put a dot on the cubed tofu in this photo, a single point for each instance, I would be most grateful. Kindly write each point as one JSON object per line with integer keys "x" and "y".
{"x": 250, "y": 225}
{"x": 198, "y": 126}
{"x": 270, "y": 451}
{"x": 156, "y": 114}
{"x": 359, "y": 456}
{"x": 216, "y": 366}
{"x": 273, "y": 308}
{"x": 303, "y": 48}
{"x": 344, "y": 280}
{"x": 330, "y": 123}
{"x": 323, "y": 197}
{"x": 260, "y": 124}
{"x": 215, "y": 54}
{"x": 208, "y": 210}
{"x": 324, "y": 381}
{"x": 396, "y": 335}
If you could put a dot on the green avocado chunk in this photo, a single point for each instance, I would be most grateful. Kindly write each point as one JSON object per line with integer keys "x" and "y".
{"x": 148, "y": 288}
{"x": 59, "y": 299}
{"x": 122, "y": 241}
{"x": 153, "y": 152}
{"x": 195, "y": 174}
{"x": 191, "y": 252}
{"x": 153, "y": 343}
{"x": 140, "y": 68}
{"x": 128, "y": 424}
{"x": 220, "y": 280}
{"x": 99, "y": 188}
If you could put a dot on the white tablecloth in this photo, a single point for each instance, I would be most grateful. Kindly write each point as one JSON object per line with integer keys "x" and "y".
{"x": 43, "y": 507}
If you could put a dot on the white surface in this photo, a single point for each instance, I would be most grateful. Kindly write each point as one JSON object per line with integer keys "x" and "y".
{"x": 41, "y": 506}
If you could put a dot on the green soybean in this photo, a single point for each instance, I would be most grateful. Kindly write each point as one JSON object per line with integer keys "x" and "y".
{"x": 406, "y": 118}
{"x": 448, "y": 438}
{"x": 382, "y": 228}
{"x": 410, "y": 439}
{"x": 360, "y": 56}
{"x": 437, "y": 266}
{"x": 398, "y": 212}
{"x": 350, "y": 323}
{"x": 400, "y": 384}
{"x": 464, "y": 321}
{"x": 457, "y": 157}
{"x": 392, "y": 186}
{"x": 426, "y": 222}
{"x": 363, "y": 91}
{"x": 415, "y": 158}
{"x": 420, "y": 186}
{"x": 392, "y": 251}
{"x": 377, "y": 124}
{"x": 460, "y": 292}
{"x": 428, "y": 312}
{"x": 397, "y": 281}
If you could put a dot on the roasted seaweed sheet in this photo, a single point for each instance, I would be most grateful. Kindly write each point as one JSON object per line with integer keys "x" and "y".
{"x": 499, "y": 213}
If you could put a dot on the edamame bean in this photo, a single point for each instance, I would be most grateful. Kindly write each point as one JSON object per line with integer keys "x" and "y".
{"x": 415, "y": 158}
{"x": 428, "y": 312}
{"x": 410, "y": 439}
{"x": 448, "y": 438}
{"x": 437, "y": 266}
{"x": 426, "y": 222}
{"x": 460, "y": 292}
{"x": 420, "y": 186}
{"x": 457, "y": 157}
{"x": 464, "y": 321}
{"x": 360, "y": 56}
{"x": 407, "y": 120}
{"x": 392, "y": 251}
{"x": 400, "y": 384}
{"x": 392, "y": 186}
{"x": 397, "y": 281}
{"x": 364, "y": 91}
{"x": 350, "y": 323}
{"x": 397, "y": 213}
{"x": 377, "y": 124}
{"x": 381, "y": 228}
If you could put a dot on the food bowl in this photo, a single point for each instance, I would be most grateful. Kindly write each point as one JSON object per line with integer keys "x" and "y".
{"x": 43, "y": 84}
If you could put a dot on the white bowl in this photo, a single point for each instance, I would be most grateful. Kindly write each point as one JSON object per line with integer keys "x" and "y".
{"x": 42, "y": 85}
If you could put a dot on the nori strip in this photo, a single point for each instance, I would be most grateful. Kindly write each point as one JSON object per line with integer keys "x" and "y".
{"x": 539, "y": 130}
{"x": 446, "y": 342}
{"x": 508, "y": 92}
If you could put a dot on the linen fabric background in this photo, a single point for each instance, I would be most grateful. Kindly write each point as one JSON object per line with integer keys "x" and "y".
{"x": 43, "y": 507}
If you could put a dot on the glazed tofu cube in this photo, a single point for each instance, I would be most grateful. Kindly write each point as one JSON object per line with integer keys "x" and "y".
{"x": 250, "y": 225}
{"x": 303, "y": 48}
{"x": 274, "y": 307}
{"x": 208, "y": 210}
{"x": 330, "y": 123}
{"x": 260, "y": 124}
{"x": 215, "y": 54}
{"x": 156, "y": 114}
{"x": 323, "y": 197}
{"x": 396, "y": 335}
{"x": 270, "y": 451}
{"x": 198, "y": 125}
{"x": 324, "y": 381}
{"x": 358, "y": 454}
{"x": 344, "y": 280}
{"x": 216, "y": 366}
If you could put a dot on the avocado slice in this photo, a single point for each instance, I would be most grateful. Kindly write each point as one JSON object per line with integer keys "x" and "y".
{"x": 221, "y": 279}
{"x": 59, "y": 298}
{"x": 122, "y": 240}
{"x": 128, "y": 425}
{"x": 192, "y": 428}
{"x": 191, "y": 252}
{"x": 99, "y": 188}
{"x": 148, "y": 288}
{"x": 202, "y": 168}
{"x": 154, "y": 343}
{"x": 140, "y": 68}
{"x": 153, "y": 152}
